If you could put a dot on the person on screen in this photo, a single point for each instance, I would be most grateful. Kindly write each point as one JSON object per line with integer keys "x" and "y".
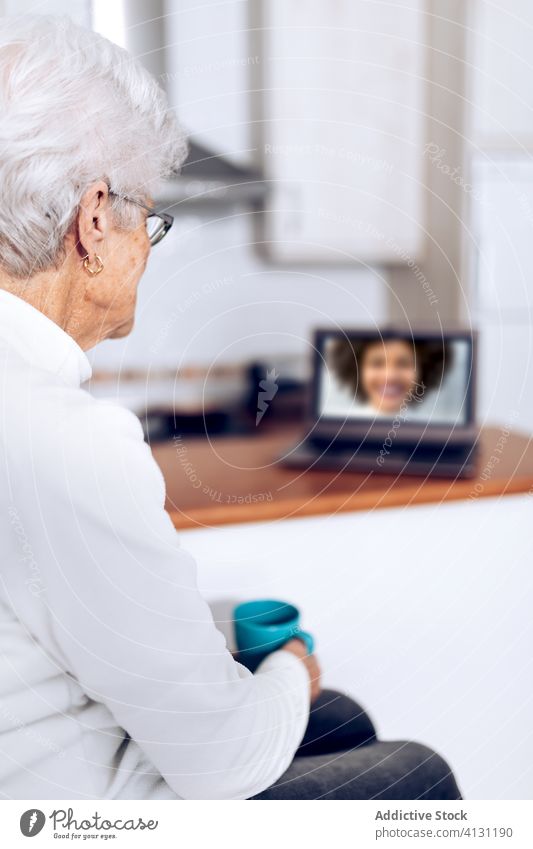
{"x": 387, "y": 375}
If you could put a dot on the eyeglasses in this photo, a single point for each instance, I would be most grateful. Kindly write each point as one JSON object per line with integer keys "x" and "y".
{"x": 157, "y": 223}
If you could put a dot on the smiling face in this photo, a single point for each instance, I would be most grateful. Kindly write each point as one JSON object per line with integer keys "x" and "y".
{"x": 388, "y": 374}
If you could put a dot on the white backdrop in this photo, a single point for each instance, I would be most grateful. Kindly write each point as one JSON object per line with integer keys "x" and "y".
{"x": 423, "y": 614}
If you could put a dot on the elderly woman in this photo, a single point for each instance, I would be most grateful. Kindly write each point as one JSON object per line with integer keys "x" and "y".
{"x": 114, "y": 681}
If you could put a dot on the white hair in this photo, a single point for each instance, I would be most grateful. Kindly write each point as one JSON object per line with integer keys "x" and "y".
{"x": 74, "y": 109}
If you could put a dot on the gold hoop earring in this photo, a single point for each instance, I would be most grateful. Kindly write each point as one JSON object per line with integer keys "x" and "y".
{"x": 93, "y": 271}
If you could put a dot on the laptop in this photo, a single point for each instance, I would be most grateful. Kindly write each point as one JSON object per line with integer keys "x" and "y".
{"x": 391, "y": 401}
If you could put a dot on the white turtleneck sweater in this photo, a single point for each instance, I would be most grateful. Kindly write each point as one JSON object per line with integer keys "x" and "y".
{"x": 114, "y": 681}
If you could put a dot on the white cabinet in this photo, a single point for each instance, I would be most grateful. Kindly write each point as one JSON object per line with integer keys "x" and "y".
{"x": 502, "y": 33}
{"x": 503, "y": 228}
{"x": 342, "y": 130}
{"x": 500, "y": 233}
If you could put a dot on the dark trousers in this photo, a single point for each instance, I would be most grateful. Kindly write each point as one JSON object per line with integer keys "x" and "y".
{"x": 340, "y": 757}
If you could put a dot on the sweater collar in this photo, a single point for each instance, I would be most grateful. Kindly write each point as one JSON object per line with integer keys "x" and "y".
{"x": 40, "y": 341}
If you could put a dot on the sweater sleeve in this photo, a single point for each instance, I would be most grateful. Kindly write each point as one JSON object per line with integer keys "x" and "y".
{"x": 132, "y": 627}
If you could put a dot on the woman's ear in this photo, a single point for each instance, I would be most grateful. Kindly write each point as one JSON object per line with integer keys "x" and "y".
{"x": 93, "y": 220}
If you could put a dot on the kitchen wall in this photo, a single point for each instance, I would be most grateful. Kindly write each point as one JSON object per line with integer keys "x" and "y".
{"x": 207, "y": 296}
{"x": 210, "y": 298}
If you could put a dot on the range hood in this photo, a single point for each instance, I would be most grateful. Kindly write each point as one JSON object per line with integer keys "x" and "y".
{"x": 210, "y": 178}
{"x": 207, "y": 176}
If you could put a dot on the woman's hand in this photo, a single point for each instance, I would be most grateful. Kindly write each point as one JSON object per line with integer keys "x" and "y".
{"x": 310, "y": 662}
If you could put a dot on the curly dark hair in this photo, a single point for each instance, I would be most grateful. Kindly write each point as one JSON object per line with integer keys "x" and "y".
{"x": 432, "y": 360}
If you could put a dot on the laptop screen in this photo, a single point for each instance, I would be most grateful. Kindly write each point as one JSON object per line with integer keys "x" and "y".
{"x": 393, "y": 376}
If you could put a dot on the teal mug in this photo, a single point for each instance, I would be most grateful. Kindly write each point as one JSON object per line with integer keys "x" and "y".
{"x": 265, "y": 625}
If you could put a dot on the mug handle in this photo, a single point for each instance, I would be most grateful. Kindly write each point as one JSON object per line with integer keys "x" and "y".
{"x": 306, "y": 638}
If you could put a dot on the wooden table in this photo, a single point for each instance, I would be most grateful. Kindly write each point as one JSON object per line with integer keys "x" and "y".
{"x": 236, "y": 479}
